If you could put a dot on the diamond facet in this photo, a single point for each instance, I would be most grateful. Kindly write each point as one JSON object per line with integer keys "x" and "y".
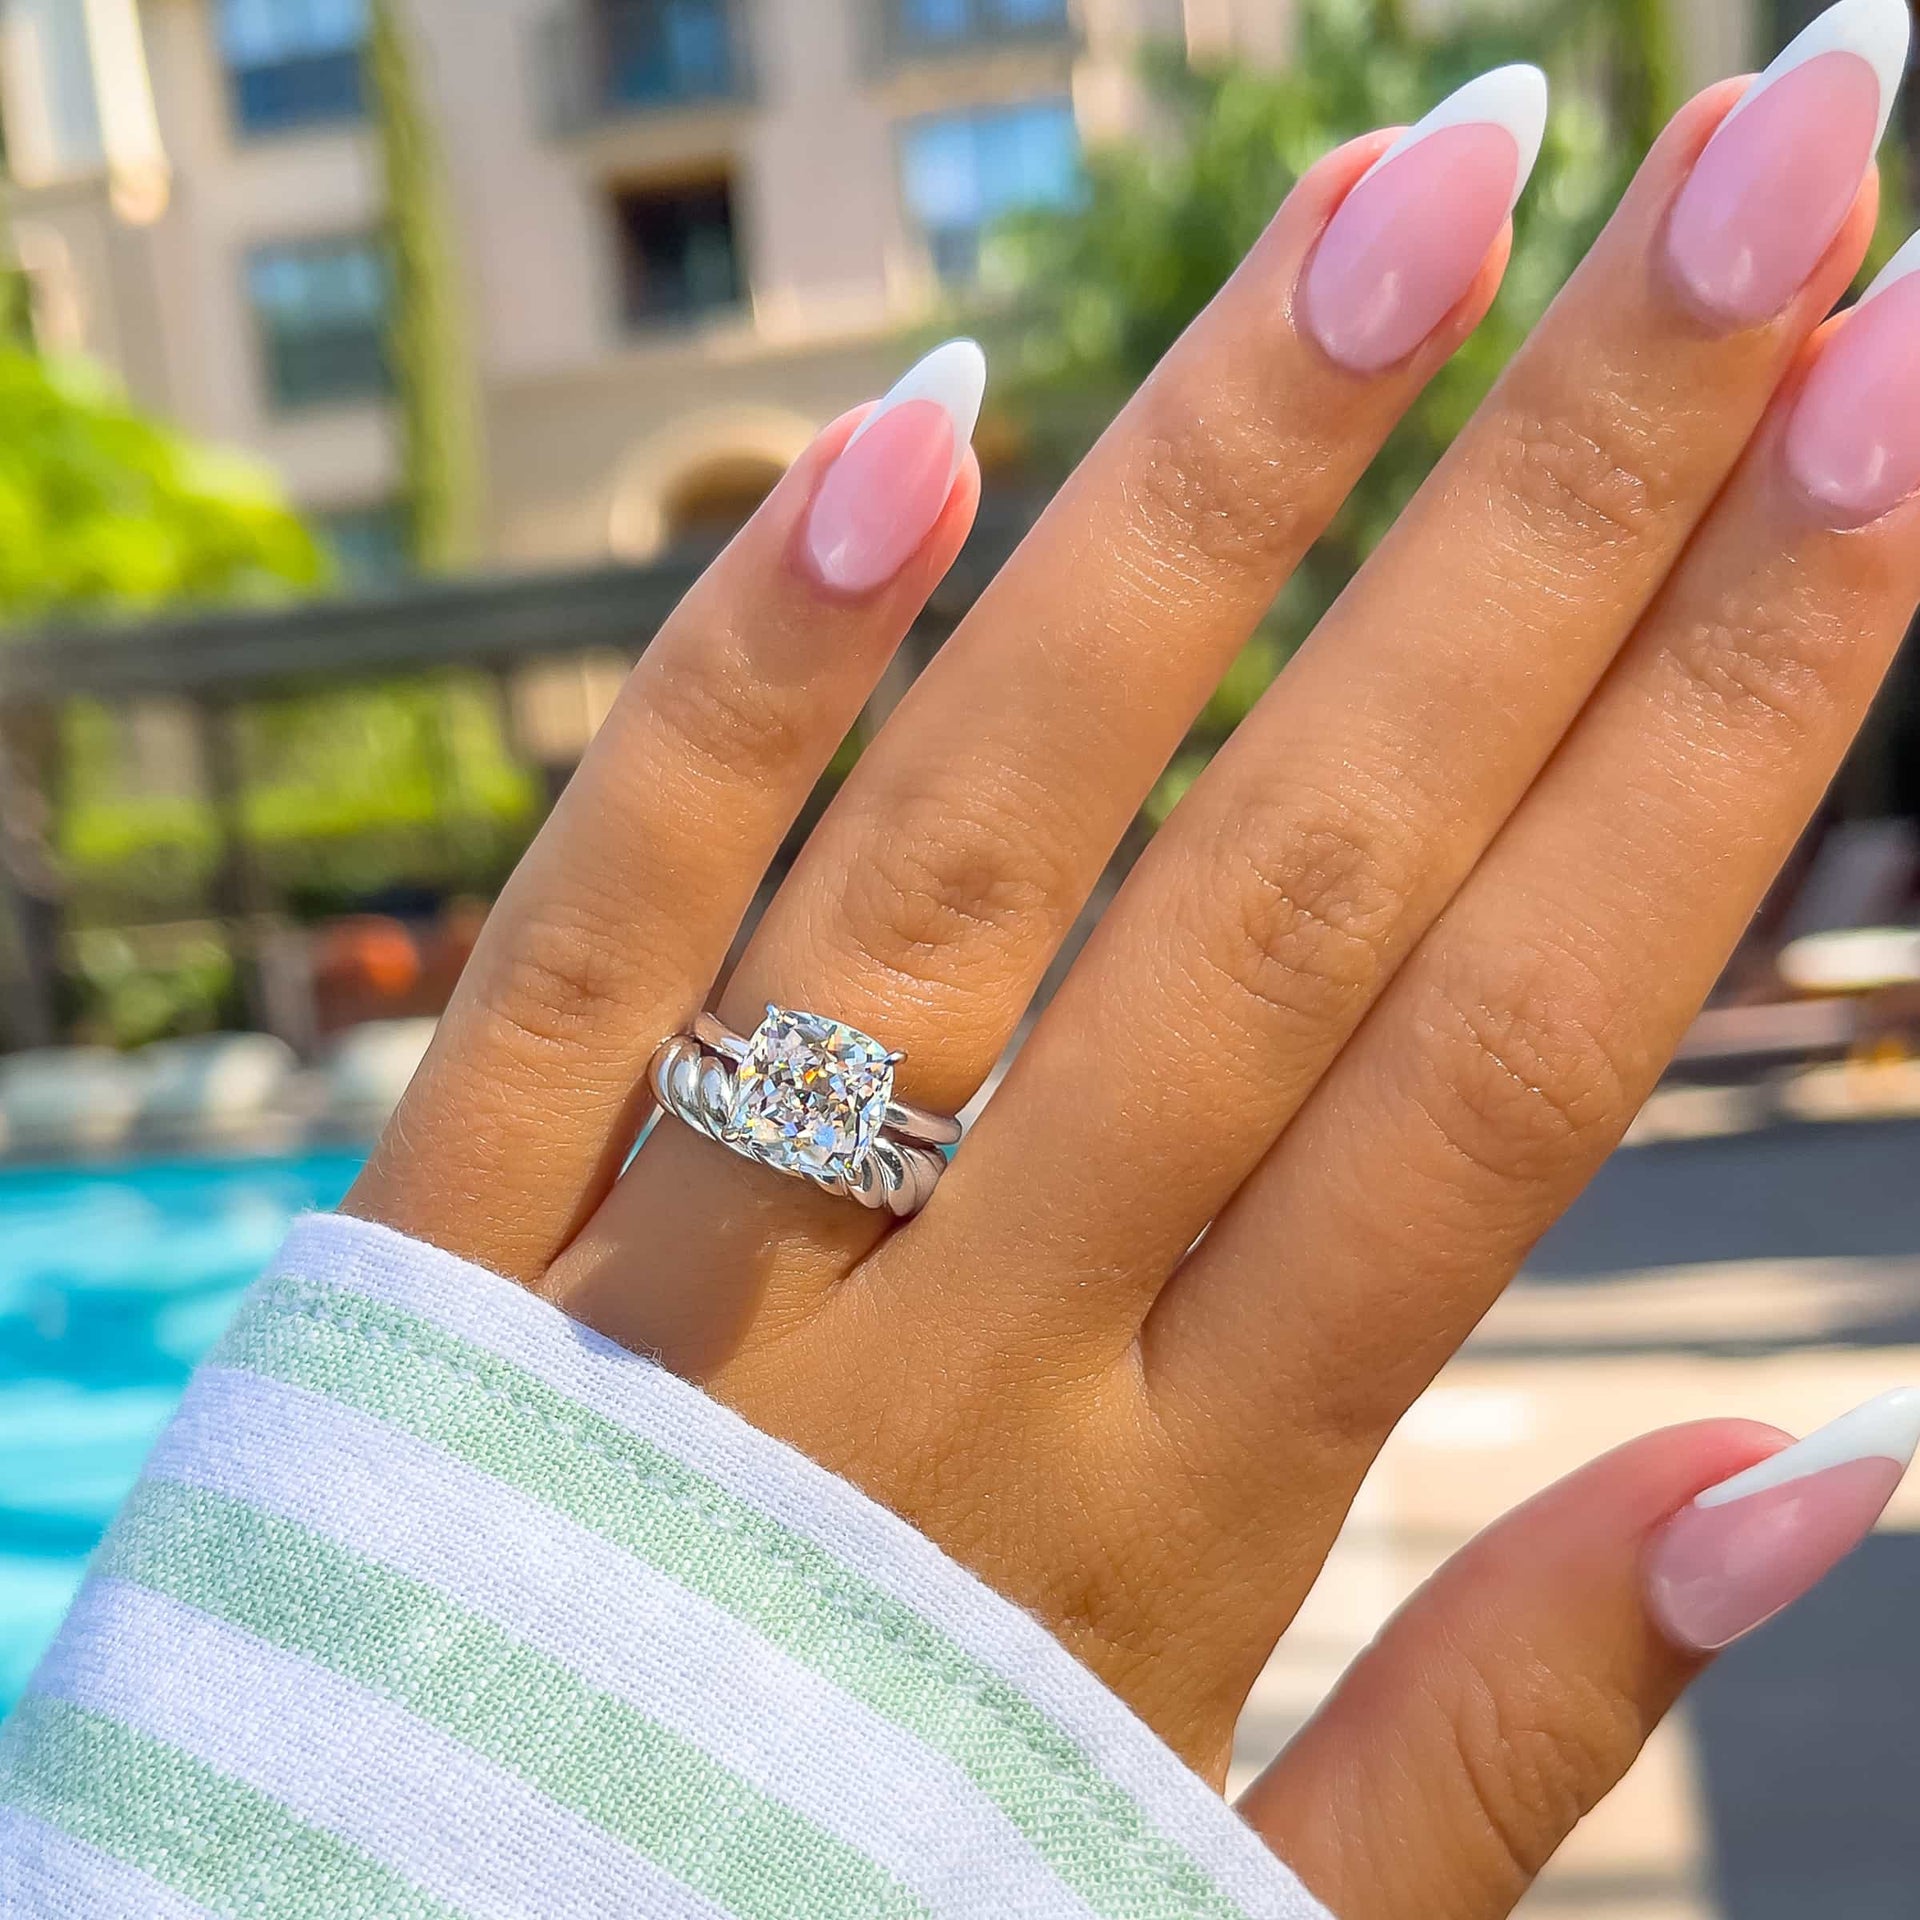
{"x": 811, "y": 1094}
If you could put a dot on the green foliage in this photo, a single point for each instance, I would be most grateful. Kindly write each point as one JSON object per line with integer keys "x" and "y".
{"x": 102, "y": 508}
{"x": 16, "y": 315}
{"x": 129, "y": 989}
{"x": 16, "y": 307}
{"x": 427, "y": 344}
{"x": 435, "y": 799}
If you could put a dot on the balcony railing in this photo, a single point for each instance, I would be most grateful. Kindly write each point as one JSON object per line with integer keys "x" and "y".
{"x": 607, "y": 59}
{"x": 914, "y": 29}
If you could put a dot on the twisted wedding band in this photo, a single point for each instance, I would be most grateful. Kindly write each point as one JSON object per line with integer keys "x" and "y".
{"x": 810, "y": 1097}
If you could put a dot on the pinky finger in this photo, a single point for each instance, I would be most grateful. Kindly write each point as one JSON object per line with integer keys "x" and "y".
{"x": 1514, "y": 1690}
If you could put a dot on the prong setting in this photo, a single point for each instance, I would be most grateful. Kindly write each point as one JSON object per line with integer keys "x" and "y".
{"x": 810, "y": 1095}
{"x": 812, "y": 1098}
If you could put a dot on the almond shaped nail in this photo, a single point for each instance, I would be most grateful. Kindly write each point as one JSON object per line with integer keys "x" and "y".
{"x": 954, "y": 376}
{"x": 883, "y": 495}
{"x": 1877, "y": 31}
{"x": 1405, "y": 245}
{"x": 1853, "y": 443}
{"x": 1750, "y": 1547}
{"x": 1774, "y": 185}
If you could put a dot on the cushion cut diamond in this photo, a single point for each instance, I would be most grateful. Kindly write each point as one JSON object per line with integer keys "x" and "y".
{"x": 811, "y": 1094}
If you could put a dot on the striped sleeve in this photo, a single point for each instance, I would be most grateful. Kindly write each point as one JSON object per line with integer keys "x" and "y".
{"x": 433, "y": 1603}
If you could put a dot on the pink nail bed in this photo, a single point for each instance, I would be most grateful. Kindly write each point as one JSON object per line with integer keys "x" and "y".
{"x": 1769, "y": 194}
{"x": 881, "y": 498}
{"x": 878, "y": 502}
{"x": 1773, "y": 188}
{"x": 1405, "y": 245}
{"x": 1853, "y": 444}
{"x": 1719, "y": 1572}
{"x": 1751, "y": 1547}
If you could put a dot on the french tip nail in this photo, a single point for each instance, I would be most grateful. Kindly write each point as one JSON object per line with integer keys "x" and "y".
{"x": 955, "y": 374}
{"x": 1884, "y": 1429}
{"x": 871, "y": 514}
{"x": 1514, "y": 97}
{"x": 952, "y": 376}
{"x": 1878, "y": 31}
{"x": 1518, "y": 98}
{"x": 1747, "y": 1549}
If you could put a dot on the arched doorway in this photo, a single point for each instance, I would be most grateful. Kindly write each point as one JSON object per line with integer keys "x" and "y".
{"x": 704, "y": 509}
{"x": 690, "y": 487}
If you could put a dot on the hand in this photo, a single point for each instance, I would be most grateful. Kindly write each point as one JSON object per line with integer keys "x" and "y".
{"x": 1374, "y": 1006}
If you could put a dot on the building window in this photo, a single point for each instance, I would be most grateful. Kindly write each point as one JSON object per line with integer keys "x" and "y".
{"x": 369, "y": 544}
{"x": 293, "y": 63}
{"x": 678, "y": 255}
{"x": 659, "y": 52}
{"x": 322, "y": 312}
{"x": 963, "y": 171}
{"x": 933, "y": 26}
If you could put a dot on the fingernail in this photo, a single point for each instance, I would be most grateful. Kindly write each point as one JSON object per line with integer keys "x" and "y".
{"x": 880, "y": 499}
{"x": 1754, "y": 1544}
{"x": 1767, "y": 197}
{"x": 1406, "y": 243}
{"x": 1853, "y": 443}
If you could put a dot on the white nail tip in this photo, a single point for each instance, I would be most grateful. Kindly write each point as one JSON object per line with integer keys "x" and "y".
{"x": 1876, "y": 30}
{"x": 1510, "y": 97}
{"x": 953, "y": 376}
{"x": 1884, "y": 1429}
{"x": 1903, "y": 264}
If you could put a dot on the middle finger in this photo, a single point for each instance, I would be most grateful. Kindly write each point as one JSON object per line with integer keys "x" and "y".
{"x": 1300, "y": 872}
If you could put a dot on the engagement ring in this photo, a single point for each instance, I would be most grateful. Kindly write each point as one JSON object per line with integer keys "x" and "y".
{"x": 811, "y": 1097}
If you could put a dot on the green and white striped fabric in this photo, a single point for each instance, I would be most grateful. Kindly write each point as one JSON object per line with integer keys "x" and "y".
{"x": 432, "y": 1603}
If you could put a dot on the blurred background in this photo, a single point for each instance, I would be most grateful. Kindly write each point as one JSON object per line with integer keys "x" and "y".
{"x": 376, "y": 374}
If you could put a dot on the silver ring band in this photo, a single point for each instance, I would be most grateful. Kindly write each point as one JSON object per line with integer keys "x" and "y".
{"x": 809, "y": 1097}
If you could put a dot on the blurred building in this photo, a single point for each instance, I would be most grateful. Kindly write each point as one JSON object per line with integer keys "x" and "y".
{"x": 694, "y": 229}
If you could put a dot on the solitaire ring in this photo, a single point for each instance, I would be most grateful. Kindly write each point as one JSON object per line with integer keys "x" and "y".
{"x": 811, "y": 1097}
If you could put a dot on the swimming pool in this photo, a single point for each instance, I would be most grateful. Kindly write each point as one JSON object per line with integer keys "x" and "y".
{"x": 114, "y": 1280}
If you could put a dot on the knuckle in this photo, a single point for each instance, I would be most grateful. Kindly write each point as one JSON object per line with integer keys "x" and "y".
{"x": 724, "y": 717}
{"x": 1530, "y": 1768}
{"x": 1763, "y": 663}
{"x": 566, "y": 968}
{"x": 1213, "y": 482}
{"x": 1592, "y": 480}
{"x": 1299, "y": 907}
{"x": 1518, "y": 1067}
{"x": 944, "y": 886}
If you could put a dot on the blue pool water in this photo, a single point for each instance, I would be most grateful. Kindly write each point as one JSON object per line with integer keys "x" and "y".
{"x": 113, "y": 1282}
